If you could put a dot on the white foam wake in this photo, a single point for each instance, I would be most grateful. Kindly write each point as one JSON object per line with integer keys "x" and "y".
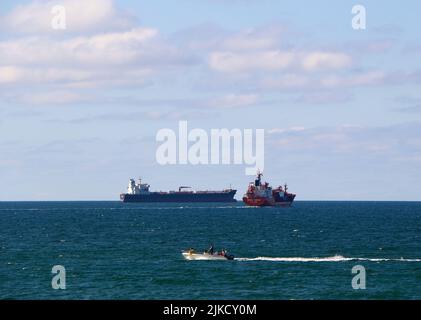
{"x": 336, "y": 258}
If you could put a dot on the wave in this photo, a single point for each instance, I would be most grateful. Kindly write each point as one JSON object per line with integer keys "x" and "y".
{"x": 336, "y": 258}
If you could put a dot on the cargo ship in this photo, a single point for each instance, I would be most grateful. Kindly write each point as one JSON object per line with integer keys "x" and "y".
{"x": 139, "y": 192}
{"x": 260, "y": 194}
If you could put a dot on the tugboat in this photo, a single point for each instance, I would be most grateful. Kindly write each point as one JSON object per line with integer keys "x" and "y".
{"x": 262, "y": 195}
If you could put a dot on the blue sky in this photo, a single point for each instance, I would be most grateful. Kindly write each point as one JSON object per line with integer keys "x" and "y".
{"x": 80, "y": 108}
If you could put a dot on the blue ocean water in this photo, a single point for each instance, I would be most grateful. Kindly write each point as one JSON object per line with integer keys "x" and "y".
{"x": 133, "y": 251}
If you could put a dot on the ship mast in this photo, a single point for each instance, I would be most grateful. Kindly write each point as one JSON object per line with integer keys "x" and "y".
{"x": 258, "y": 180}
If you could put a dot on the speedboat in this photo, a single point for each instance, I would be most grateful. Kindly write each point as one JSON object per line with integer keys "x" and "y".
{"x": 193, "y": 255}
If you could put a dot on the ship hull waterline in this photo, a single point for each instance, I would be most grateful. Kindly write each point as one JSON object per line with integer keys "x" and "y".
{"x": 180, "y": 197}
{"x": 262, "y": 202}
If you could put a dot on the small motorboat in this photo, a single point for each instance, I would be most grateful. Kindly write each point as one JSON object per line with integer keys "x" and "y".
{"x": 191, "y": 254}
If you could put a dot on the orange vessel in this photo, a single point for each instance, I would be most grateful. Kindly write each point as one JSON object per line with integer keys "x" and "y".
{"x": 262, "y": 195}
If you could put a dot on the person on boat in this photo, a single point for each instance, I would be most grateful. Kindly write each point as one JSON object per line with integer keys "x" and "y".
{"x": 211, "y": 250}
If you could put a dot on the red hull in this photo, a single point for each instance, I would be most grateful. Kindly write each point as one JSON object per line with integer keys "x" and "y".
{"x": 256, "y": 202}
{"x": 261, "y": 202}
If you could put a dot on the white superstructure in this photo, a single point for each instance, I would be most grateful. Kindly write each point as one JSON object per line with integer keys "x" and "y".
{"x": 137, "y": 188}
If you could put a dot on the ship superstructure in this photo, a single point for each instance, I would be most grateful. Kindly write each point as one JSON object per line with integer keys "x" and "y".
{"x": 137, "y": 188}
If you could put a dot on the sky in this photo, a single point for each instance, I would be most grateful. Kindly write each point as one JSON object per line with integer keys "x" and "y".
{"x": 80, "y": 107}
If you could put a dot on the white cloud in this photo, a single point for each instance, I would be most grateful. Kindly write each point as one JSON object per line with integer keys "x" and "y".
{"x": 39, "y": 76}
{"x": 83, "y": 61}
{"x": 286, "y": 81}
{"x": 100, "y": 43}
{"x": 81, "y": 16}
{"x": 360, "y": 79}
{"x": 325, "y": 60}
{"x": 254, "y": 39}
{"x": 10, "y": 74}
{"x": 325, "y": 97}
{"x": 275, "y": 60}
{"x": 286, "y": 130}
{"x": 309, "y": 82}
{"x": 109, "y": 48}
{"x": 349, "y": 139}
{"x": 51, "y": 98}
{"x": 234, "y": 101}
{"x": 103, "y": 49}
{"x": 238, "y": 62}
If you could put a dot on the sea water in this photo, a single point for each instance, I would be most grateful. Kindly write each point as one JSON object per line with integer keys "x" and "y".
{"x": 112, "y": 250}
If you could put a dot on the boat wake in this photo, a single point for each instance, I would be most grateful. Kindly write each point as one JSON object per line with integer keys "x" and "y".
{"x": 336, "y": 258}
